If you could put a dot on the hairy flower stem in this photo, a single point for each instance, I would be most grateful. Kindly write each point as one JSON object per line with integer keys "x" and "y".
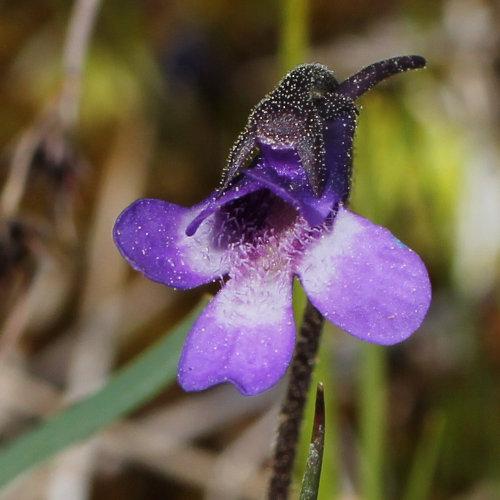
{"x": 293, "y": 406}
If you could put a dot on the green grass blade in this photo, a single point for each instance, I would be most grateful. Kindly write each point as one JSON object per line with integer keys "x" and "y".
{"x": 426, "y": 457}
{"x": 312, "y": 474}
{"x": 294, "y": 33}
{"x": 373, "y": 396}
{"x": 129, "y": 388}
{"x": 329, "y": 488}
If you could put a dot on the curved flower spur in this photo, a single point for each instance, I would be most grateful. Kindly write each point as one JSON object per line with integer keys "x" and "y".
{"x": 280, "y": 212}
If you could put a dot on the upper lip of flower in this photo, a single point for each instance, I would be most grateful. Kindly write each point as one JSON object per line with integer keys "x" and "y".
{"x": 290, "y": 117}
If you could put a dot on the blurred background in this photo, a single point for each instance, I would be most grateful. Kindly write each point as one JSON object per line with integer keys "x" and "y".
{"x": 102, "y": 103}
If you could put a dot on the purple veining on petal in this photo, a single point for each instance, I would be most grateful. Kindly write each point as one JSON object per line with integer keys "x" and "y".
{"x": 250, "y": 221}
{"x": 150, "y": 234}
{"x": 217, "y": 200}
{"x": 362, "y": 279}
{"x": 245, "y": 336}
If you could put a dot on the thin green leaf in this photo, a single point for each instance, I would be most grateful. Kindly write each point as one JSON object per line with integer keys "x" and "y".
{"x": 426, "y": 456}
{"x": 373, "y": 409}
{"x": 129, "y": 388}
{"x": 312, "y": 474}
{"x": 294, "y": 33}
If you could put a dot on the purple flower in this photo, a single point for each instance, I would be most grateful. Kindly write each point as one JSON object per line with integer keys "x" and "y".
{"x": 280, "y": 213}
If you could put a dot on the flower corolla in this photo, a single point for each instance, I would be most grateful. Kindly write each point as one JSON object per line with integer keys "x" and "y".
{"x": 281, "y": 213}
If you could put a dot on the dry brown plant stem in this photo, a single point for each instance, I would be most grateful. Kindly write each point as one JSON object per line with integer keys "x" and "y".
{"x": 93, "y": 352}
{"x": 80, "y": 29}
{"x": 67, "y": 103}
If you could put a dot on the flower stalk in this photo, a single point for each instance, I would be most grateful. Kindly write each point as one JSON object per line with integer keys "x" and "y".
{"x": 293, "y": 406}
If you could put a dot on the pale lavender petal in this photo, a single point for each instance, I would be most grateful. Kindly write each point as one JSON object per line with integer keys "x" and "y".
{"x": 363, "y": 279}
{"x": 150, "y": 234}
{"x": 245, "y": 336}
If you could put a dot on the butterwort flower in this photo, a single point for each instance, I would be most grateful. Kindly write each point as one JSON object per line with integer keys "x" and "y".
{"x": 281, "y": 212}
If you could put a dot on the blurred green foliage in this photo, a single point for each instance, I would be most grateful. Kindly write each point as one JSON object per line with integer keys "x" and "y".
{"x": 407, "y": 172}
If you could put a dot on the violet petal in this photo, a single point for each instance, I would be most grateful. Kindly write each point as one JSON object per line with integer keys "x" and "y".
{"x": 150, "y": 234}
{"x": 364, "y": 280}
{"x": 245, "y": 336}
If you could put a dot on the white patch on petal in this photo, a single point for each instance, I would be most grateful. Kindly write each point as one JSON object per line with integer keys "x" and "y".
{"x": 198, "y": 249}
{"x": 364, "y": 280}
{"x": 245, "y": 304}
{"x": 326, "y": 249}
